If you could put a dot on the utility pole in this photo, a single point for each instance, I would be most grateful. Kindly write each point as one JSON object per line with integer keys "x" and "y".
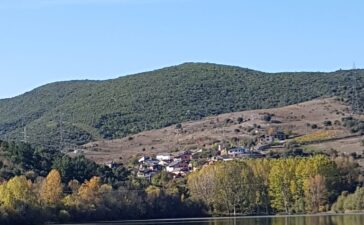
{"x": 25, "y": 135}
{"x": 355, "y": 98}
{"x": 61, "y": 130}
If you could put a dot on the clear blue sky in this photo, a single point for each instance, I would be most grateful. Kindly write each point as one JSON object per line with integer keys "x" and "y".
{"x": 49, "y": 40}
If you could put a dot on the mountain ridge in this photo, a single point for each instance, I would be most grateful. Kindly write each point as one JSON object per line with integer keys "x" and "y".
{"x": 76, "y": 112}
{"x": 155, "y": 70}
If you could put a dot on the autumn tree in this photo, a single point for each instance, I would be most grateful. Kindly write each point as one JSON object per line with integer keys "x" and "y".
{"x": 315, "y": 193}
{"x": 89, "y": 193}
{"x": 18, "y": 203}
{"x": 201, "y": 185}
{"x": 15, "y": 192}
{"x": 224, "y": 187}
{"x": 51, "y": 189}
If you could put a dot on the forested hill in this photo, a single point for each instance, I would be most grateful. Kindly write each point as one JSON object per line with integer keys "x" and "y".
{"x": 76, "y": 112}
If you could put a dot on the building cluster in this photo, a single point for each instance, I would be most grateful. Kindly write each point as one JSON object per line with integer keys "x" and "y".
{"x": 179, "y": 164}
{"x": 267, "y": 141}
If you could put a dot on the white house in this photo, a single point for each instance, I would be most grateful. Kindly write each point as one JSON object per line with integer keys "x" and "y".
{"x": 238, "y": 151}
{"x": 144, "y": 158}
{"x": 177, "y": 165}
{"x": 163, "y": 163}
{"x": 164, "y": 157}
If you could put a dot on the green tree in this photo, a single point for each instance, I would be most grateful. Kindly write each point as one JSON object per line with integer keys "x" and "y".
{"x": 282, "y": 184}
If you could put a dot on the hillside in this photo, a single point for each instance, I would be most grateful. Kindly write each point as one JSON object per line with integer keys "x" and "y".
{"x": 226, "y": 128}
{"x": 75, "y": 112}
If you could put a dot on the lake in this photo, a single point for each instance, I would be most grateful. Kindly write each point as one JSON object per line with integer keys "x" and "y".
{"x": 292, "y": 220}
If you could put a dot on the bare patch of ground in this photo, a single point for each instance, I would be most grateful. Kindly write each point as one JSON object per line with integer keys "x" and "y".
{"x": 297, "y": 119}
{"x": 348, "y": 146}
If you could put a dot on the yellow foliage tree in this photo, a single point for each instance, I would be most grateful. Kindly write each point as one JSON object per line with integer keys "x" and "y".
{"x": 88, "y": 196}
{"x": 153, "y": 191}
{"x": 17, "y": 191}
{"x": 89, "y": 191}
{"x": 201, "y": 185}
{"x": 51, "y": 189}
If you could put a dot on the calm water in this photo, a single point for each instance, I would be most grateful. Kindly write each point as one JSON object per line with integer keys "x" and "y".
{"x": 299, "y": 220}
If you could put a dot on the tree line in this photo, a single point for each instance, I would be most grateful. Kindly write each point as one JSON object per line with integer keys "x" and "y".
{"x": 37, "y": 186}
{"x": 23, "y": 159}
{"x": 23, "y": 201}
{"x": 270, "y": 186}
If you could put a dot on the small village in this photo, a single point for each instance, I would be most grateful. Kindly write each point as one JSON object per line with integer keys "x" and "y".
{"x": 182, "y": 163}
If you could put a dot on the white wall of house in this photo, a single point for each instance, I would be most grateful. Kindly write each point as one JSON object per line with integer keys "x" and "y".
{"x": 169, "y": 169}
{"x": 163, "y": 157}
{"x": 142, "y": 159}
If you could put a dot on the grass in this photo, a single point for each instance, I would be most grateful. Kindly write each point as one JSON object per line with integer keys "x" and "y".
{"x": 321, "y": 135}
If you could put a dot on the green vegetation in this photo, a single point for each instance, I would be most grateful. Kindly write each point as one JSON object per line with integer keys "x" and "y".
{"x": 350, "y": 202}
{"x": 22, "y": 159}
{"x": 36, "y": 187}
{"x": 355, "y": 125}
{"x": 78, "y": 190}
{"x": 23, "y": 201}
{"x": 76, "y": 112}
{"x": 262, "y": 186}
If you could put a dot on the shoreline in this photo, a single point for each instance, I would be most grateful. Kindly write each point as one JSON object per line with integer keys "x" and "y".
{"x": 210, "y": 218}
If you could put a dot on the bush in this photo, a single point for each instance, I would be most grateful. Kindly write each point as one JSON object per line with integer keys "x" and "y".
{"x": 267, "y": 117}
{"x": 228, "y": 121}
{"x": 240, "y": 120}
{"x": 64, "y": 216}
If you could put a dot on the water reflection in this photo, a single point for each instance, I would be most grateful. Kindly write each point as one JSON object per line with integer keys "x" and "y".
{"x": 299, "y": 220}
